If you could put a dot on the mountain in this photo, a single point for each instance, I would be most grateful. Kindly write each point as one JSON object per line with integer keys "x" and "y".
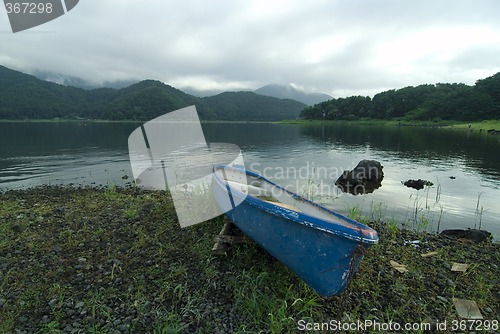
{"x": 148, "y": 99}
{"x": 289, "y": 92}
{"x": 24, "y": 96}
{"x": 251, "y": 106}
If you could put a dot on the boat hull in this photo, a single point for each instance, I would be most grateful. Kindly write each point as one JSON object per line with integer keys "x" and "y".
{"x": 324, "y": 257}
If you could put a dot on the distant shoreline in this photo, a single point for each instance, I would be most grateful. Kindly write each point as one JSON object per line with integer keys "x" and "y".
{"x": 483, "y": 125}
{"x": 113, "y": 121}
{"x": 446, "y": 124}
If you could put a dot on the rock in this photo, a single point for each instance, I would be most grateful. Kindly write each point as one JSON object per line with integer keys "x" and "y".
{"x": 116, "y": 262}
{"x": 443, "y": 299}
{"x": 477, "y": 236}
{"x": 363, "y": 179}
{"x": 417, "y": 184}
{"x": 18, "y": 228}
{"x": 493, "y": 132}
{"x": 53, "y": 302}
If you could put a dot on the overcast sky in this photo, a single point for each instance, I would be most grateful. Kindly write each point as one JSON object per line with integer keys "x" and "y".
{"x": 341, "y": 48}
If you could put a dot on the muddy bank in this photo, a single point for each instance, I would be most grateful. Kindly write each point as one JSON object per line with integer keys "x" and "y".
{"x": 116, "y": 261}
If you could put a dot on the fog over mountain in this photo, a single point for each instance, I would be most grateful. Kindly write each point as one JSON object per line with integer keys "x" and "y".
{"x": 67, "y": 80}
{"x": 24, "y": 96}
{"x": 272, "y": 90}
{"x": 290, "y": 92}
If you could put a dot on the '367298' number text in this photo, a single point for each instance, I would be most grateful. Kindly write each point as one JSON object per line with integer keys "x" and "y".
{"x": 28, "y": 8}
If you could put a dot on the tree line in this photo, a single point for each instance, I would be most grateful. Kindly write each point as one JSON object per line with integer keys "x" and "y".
{"x": 426, "y": 102}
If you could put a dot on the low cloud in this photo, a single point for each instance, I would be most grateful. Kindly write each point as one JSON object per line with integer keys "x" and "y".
{"x": 339, "y": 48}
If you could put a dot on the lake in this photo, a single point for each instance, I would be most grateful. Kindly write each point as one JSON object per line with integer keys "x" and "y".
{"x": 463, "y": 166}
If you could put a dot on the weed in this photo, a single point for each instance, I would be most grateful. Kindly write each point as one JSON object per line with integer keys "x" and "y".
{"x": 50, "y": 328}
{"x": 131, "y": 213}
{"x": 355, "y": 213}
{"x": 392, "y": 227}
{"x": 378, "y": 211}
{"x": 111, "y": 192}
{"x": 278, "y": 320}
{"x": 310, "y": 190}
{"x": 438, "y": 194}
{"x": 141, "y": 238}
{"x": 115, "y": 267}
{"x": 441, "y": 214}
{"x": 479, "y": 212}
{"x": 170, "y": 323}
{"x": 190, "y": 308}
{"x": 178, "y": 291}
{"x": 179, "y": 271}
{"x": 423, "y": 224}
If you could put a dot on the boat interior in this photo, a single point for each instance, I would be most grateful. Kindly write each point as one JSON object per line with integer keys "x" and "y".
{"x": 273, "y": 194}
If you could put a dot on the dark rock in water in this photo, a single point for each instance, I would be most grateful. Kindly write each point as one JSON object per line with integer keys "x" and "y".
{"x": 363, "y": 179}
{"x": 493, "y": 132}
{"x": 452, "y": 177}
{"x": 469, "y": 234}
{"x": 417, "y": 184}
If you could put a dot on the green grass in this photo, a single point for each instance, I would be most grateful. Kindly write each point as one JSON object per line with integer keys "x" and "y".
{"x": 445, "y": 124}
{"x": 120, "y": 254}
{"x": 476, "y": 126}
{"x": 367, "y": 121}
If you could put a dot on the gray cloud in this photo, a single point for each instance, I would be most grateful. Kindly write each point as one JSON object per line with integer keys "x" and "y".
{"x": 338, "y": 47}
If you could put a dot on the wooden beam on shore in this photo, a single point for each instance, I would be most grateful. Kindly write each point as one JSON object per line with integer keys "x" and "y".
{"x": 225, "y": 238}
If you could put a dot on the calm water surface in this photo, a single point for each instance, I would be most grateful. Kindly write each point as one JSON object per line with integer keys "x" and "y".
{"x": 305, "y": 158}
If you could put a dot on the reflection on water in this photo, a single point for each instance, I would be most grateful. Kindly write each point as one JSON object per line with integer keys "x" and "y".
{"x": 464, "y": 167}
{"x": 32, "y": 154}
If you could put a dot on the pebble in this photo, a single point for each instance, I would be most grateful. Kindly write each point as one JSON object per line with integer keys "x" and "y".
{"x": 115, "y": 261}
{"x": 53, "y": 302}
{"x": 115, "y": 311}
{"x": 443, "y": 299}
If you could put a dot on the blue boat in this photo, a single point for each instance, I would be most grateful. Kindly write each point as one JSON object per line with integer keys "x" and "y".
{"x": 321, "y": 246}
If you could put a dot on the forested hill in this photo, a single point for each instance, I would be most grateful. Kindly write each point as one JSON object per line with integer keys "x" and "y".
{"x": 424, "y": 102}
{"x": 248, "y": 105}
{"x": 24, "y": 96}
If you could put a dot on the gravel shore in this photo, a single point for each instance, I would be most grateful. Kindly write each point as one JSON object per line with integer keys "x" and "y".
{"x": 110, "y": 260}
